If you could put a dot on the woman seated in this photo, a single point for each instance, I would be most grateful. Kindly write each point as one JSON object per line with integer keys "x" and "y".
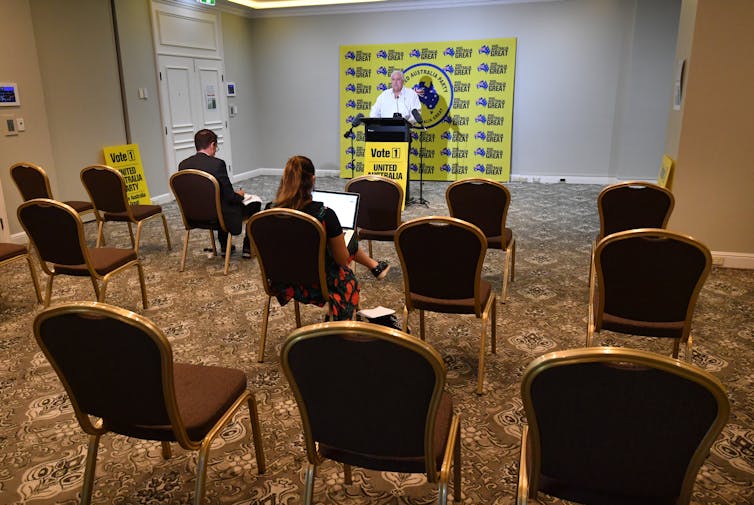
{"x": 295, "y": 192}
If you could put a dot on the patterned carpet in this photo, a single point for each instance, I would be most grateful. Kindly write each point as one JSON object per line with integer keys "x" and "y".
{"x": 213, "y": 319}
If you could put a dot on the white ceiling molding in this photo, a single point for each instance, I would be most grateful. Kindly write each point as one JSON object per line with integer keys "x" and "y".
{"x": 383, "y": 6}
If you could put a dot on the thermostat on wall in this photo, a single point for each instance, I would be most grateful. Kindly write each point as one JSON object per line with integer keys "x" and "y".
{"x": 9, "y": 94}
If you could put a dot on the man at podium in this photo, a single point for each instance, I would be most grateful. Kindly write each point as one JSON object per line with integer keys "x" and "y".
{"x": 397, "y": 101}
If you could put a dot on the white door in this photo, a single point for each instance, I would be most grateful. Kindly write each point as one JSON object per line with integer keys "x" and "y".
{"x": 193, "y": 91}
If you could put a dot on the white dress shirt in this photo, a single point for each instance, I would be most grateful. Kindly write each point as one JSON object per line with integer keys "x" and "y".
{"x": 387, "y": 104}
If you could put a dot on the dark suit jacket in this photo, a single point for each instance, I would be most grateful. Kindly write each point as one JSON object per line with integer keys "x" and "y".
{"x": 230, "y": 201}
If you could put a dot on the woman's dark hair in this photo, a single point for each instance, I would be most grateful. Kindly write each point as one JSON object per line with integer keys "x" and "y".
{"x": 295, "y": 189}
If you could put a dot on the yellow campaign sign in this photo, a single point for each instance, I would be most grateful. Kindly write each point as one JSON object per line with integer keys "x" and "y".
{"x": 467, "y": 104}
{"x": 388, "y": 159}
{"x": 127, "y": 160}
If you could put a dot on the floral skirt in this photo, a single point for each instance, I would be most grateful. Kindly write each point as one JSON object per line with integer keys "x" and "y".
{"x": 341, "y": 284}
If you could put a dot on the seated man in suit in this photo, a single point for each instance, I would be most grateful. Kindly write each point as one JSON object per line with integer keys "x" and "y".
{"x": 231, "y": 202}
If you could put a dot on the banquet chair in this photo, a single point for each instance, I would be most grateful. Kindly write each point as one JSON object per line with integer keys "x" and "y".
{"x": 57, "y": 233}
{"x": 647, "y": 283}
{"x": 373, "y": 397}
{"x": 290, "y": 247}
{"x": 441, "y": 259}
{"x": 32, "y": 182}
{"x": 380, "y": 207}
{"x": 615, "y": 426}
{"x": 631, "y": 205}
{"x": 485, "y": 203}
{"x": 107, "y": 189}
{"x": 118, "y": 370}
{"x": 198, "y": 197}
{"x": 16, "y": 252}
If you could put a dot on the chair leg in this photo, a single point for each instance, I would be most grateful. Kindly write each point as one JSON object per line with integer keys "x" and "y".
{"x": 167, "y": 233}
{"x": 212, "y": 239}
{"x": 256, "y": 434}
{"x": 48, "y": 291}
{"x": 138, "y": 236}
{"x": 369, "y": 242}
{"x": 91, "y": 463}
{"x": 507, "y": 270}
{"x": 134, "y": 245}
{"x": 100, "y": 291}
{"x": 143, "y": 285}
{"x": 421, "y": 324}
{"x": 263, "y": 336}
{"x": 34, "y": 279}
{"x": 406, "y": 329}
{"x": 166, "y": 452}
{"x": 347, "y": 474}
{"x": 185, "y": 250}
{"x": 100, "y": 234}
{"x": 689, "y": 355}
{"x": 201, "y": 471}
{"x": 297, "y": 310}
{"x": 228, "y": 247}
{"x": 311, "y": 471}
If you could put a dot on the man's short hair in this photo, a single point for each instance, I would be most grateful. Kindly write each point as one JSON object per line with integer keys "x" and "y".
{"x": 398, "y": 72}
{"x": 204, "y": 138}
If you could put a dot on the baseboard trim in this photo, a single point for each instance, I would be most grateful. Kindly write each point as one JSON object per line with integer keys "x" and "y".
{"x": 744, "y": 261}
{"x": 571, "y": 179}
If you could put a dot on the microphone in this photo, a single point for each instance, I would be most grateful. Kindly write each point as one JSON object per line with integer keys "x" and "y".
{"x": 357, "y": 120}
{"x": 418, "y": 118}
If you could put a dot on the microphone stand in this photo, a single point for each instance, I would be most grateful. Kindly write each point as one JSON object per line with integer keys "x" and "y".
{"x": 421, "y": 200}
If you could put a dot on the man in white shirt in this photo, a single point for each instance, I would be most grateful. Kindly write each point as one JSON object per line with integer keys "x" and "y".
{"x": 396, "y": 99}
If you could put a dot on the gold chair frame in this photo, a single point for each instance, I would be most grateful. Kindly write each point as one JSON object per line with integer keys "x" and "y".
{"x": 89, "y": 207}
{"x": 597, "y": 285}
{"x": 356, "y": 330}
{"x": 531, "y": 445}
{"x": 221, "y": 220}
{"x": 488, "y": 312}
{"x": 95, "y": 427}
{"x": 27, "y": 256}
{"x": 94, "y": 276}
{"x": 128, "y": 210}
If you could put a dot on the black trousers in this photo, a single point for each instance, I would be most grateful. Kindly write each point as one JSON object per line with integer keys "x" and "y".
{"x": 248, "y": 211}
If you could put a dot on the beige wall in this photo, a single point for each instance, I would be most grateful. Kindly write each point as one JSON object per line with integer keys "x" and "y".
{"x": 18, "y": 63}
{"x": 714, "y": 133}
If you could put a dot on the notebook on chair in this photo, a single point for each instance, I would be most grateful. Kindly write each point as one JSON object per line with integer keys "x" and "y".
{"x": 346, "y": 207}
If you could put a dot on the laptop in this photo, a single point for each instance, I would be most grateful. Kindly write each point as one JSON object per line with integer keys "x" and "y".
{"x": 346, "y": 207}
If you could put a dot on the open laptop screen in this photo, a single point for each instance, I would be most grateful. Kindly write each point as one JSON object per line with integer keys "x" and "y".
{"x": 345, "y": 205}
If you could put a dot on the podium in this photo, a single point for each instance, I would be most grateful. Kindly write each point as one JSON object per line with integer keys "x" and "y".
{"x": 386, "y": 149}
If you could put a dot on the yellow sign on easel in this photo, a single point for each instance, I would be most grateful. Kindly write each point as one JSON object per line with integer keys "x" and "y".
{"x": 665, "y": 178}
{"x": 127, "y": 160}
{"x": 388, "y": 159}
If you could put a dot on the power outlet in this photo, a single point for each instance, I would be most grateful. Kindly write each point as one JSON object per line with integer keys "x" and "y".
{"x": 718, "y": 261}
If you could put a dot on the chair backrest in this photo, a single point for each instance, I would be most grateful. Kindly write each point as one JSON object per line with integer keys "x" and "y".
{"x": 290, "y": 246}
{"x": 198, "y": 197}
{"x": 619, "y": 423}
{"x": 650, "y": 275}
{"x": 114, "y": 364}
{"x": 441, "y": 257}
{"x": 631, "y": 205}
{"x": 380, "y": 204}
{"x": 56, "y": 231}
{"x": 481, "y": 202}
{"x": 365, "y": 388}
{"x": 106, "y": 187}
{"x": 31, "y": 180}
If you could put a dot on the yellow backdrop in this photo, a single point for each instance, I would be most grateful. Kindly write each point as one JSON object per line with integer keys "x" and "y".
{"x": 467, "y": 104}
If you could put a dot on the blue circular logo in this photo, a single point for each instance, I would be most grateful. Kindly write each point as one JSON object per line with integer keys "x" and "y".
{"x": 435, "y": 91}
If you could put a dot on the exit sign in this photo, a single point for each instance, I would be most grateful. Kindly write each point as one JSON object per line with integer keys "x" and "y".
{"x": 206, "y": 2}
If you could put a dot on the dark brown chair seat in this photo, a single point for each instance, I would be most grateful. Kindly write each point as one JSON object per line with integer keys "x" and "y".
{"x": 198, "y": 197}
{"x": 430, "y": 283}
{"x": 107, "y": 189}
{"x": 57, "y": 233}
{"x": 647, "y": 282}
{"x": 380, "y": 206}
{"x": 373, "y": 397}
{"x": 16, "y": 252}
{"x": 616, "y": 426}
{"x": 117, "y": 367}
{"x": 485, "y": 204}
